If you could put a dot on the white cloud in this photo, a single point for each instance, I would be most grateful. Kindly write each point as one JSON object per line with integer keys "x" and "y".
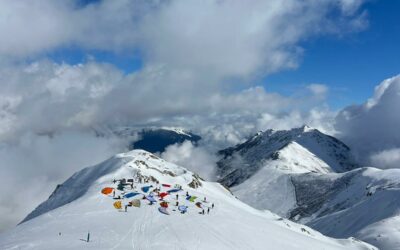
{"x": 32, "y": 167}
{"x": 387, "y": 158}
{"x": 196, "y": 159}
{"x": 227, "y": 38}
{"x": 319, "y": 90}
{"x": 372, "y": 128}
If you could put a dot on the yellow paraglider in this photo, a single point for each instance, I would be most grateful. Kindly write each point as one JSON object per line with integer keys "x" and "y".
{"x": 118, "y": 204}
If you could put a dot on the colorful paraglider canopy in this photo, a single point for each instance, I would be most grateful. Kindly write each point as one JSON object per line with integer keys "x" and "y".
{"x": 166, "y": 185}
{"x": 188, "y": 197}
{"x": 198, "y": 204}
{"x": 164, "y": 204}
{"x": 107, "y": 190}
{"x": 182, "y": 208}
{"x": 146, "y": 188}
{"x": 150, "y": 198}
{"x": 162, "y": 195}
{"x": 135, "y": 203}
{"x": 129, "y": 195}
{"x": 173, "y": 190}
{"x": 163, "y": 210}
{"x": 192, "y": 198}
{"x": 118, "y": 204}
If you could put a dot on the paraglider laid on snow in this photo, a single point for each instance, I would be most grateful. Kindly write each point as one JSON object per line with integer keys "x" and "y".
{"x": 166, "y": 185}
{"x": 198, "y": 204}
{"x": 135, "y": 203}
{"x": 151, "y": 199}
{"x": 146, "y": 188}
{"x": 107, "y": 190}
{"x": 164, "y": 204}
{"x": 162, "y": 195}
{"x": 163, "y": 210}
{"x": 182, "y": 209}
{"x": 191, "y": 198}
{"x": 173, "y": 190}
{"x": 118, "y": 204}
{"x": 129, "y": 195}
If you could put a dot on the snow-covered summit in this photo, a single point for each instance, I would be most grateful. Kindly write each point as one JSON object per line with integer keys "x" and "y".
{"x": 153, "y": 187}
{"x": 299, "y": 150}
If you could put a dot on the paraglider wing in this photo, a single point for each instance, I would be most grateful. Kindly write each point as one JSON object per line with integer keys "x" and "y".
{"x": 166, "y": 185}
{"x": 107, "y": 190}
{"x": 182, "y": 208}
{"x": 146, "y": 189}
{"x": 188, "y": 197}
{"x": 118, "y": 204}
{"x": 198, "y": 204}
{"x": 163, "y": 210}
{"x": 192, "y": 198}
{"x": 135, "y": 203}
{"x": 150, "y": 198}
{"x": 173, "y": 190}
{"x": 162, "y": 195}
{"x": 164, "y": 204}
{"x": 129, "y": 195}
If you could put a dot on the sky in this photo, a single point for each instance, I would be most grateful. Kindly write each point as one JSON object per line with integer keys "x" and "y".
{"x": 222, "y": 69}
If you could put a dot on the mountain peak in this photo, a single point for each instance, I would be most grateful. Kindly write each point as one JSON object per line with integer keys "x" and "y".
{"x": 287, "y": 149}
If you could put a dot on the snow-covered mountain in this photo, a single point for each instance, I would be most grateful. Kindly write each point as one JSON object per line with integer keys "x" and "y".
{"x": 300, "y": 150}
{"x": 309, "y": 177}
{"x": 90, "y": 202}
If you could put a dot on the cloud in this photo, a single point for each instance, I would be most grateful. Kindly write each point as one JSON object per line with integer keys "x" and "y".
{"x": 196, "y": 159}
{"x": 372, "y": 128}
{"x": 319, "y": 90}
{"x": 387, "y": 158}
{"x": 33, "y": 167}
{"x": 233, "y": 38}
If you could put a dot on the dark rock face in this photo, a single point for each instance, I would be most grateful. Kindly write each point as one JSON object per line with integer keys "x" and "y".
{"x": 156, "y": 140}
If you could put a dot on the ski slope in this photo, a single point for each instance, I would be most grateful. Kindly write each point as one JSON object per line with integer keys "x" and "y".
{"x": 78, "y": 207}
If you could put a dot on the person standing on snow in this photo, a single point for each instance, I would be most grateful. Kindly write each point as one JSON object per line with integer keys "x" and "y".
{"x": 208, "y": 210}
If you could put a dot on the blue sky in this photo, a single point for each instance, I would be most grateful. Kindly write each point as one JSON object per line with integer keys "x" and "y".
{"x": 352, "y": 65}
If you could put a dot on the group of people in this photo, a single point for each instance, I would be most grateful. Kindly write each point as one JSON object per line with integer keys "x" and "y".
{"x": 163, "y": 194}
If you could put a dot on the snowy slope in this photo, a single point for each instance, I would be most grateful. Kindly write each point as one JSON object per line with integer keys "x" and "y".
{"x": 77, "y": 206}
{"x": 297, "y": 181}
{"x": 298, "y": 150}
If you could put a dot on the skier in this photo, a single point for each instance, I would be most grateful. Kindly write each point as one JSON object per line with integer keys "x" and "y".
{"x": 187, "y": 193}
{"x": 202, "y": 212}
{"x": 208, "y": 210}
{"x": 212, "y": 205}
{"x": 126, "y": 207}
{"x": 177, "y": 196}
{"x": 205, "y": 199}
{"x": 177, "y": 203}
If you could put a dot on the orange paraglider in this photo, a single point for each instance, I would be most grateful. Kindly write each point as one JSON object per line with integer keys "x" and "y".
{"x": 107, "y": 190}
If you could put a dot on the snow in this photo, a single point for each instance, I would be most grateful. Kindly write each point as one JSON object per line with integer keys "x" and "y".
{"x": 78, "y": 207}
{"x": 303, "y": 175}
